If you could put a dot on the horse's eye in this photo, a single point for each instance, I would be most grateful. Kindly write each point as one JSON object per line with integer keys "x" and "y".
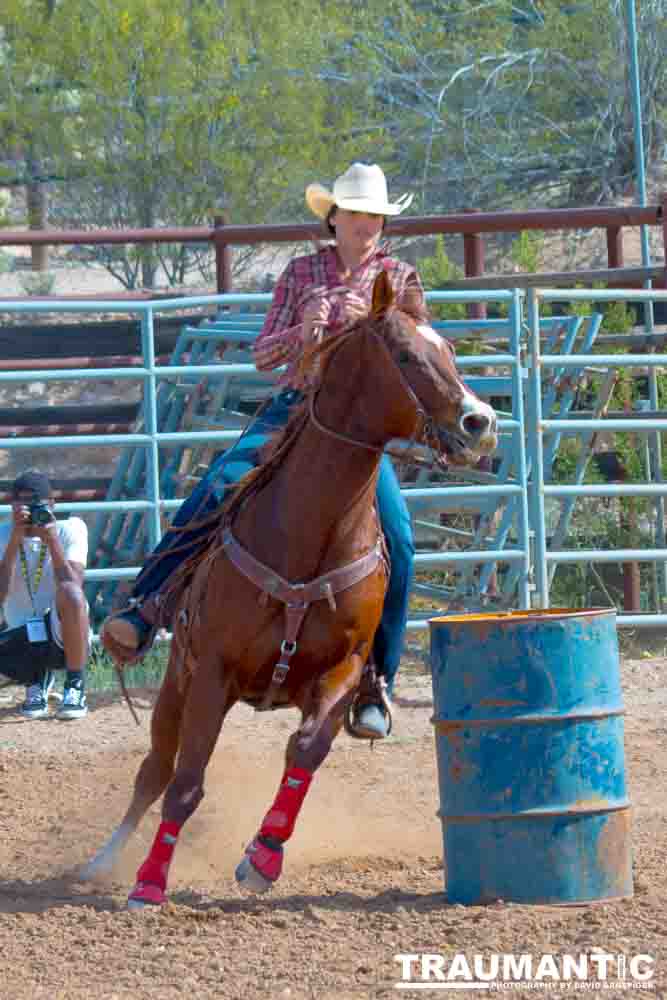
{"x": 404, "y": 358}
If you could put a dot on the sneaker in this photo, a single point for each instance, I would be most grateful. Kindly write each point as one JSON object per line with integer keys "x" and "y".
{"x": 36, "y": 704}
{"x": 74, "y": 703}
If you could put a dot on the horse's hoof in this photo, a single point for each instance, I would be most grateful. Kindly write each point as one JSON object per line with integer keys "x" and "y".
{"x": 249, "y": 878}
{"x": 145, "y": 894}
{"x": 265, "y": 855}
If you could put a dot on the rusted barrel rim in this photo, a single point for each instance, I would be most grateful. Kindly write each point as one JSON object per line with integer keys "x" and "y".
{"x": 532, "y": 614}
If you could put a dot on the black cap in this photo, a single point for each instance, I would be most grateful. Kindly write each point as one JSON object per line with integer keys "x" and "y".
{"x": 32, "y": 481}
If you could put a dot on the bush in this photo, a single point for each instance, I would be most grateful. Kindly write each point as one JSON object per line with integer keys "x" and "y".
{"x": 619, "y": 317}
{"x": 434, "y": 272}
{"x": 526, "y": 251}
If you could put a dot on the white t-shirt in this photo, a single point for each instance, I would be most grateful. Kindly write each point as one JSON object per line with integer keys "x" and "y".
{"x": 18, "y": 608}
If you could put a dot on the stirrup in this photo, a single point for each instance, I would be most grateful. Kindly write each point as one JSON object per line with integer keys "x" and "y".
{"x": 376, "y": 695}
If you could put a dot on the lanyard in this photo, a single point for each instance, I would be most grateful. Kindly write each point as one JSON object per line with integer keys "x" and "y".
{"x": 33, "y": 587}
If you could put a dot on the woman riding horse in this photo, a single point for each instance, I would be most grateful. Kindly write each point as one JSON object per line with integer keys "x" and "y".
{"x": 317, "y": 294}
{"x": 270, "y": 614}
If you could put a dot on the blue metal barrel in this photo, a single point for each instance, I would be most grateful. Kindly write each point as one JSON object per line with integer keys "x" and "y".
{"x": 529, "y": 741}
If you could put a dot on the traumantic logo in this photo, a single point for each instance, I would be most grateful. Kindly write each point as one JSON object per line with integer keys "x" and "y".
{"x": 598, "y": 970}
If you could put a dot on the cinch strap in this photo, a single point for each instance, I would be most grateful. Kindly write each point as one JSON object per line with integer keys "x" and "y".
{"x": 297, "y": 597}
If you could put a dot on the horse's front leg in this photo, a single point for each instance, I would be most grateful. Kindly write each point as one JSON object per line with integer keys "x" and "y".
{"x": 153, "y": 776}
{"x": 322, "y": 719}
{"x": 206, "y": 706}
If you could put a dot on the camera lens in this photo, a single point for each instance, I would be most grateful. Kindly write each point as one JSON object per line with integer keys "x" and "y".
{"x": 40, "y": 513}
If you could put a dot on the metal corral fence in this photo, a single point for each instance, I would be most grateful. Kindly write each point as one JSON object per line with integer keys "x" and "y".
{"x": 508, "y": 501}
{"x": 649, "y": 426}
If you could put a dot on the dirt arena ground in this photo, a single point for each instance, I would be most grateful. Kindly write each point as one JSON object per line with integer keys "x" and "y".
{"x": 363, "y": 879}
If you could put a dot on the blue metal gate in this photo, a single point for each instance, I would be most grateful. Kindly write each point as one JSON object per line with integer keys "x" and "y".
{"x": 529, "y": 364}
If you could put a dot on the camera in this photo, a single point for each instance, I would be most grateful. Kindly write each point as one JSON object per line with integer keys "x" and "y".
{"x": 40, "y": 513}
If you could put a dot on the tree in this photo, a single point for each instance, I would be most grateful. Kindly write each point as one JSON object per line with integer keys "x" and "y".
{"x": 174, "y": 114}
{"x": 498, "y": 102}
{"x": 205, "y": 107}
{"x": 33, "y": 105}
{"x": 143, "y": 114}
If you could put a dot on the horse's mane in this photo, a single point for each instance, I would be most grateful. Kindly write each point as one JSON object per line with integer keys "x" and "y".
{"x": 311, "y": 368}
{"x": 273, "y": 452}
{"x": 211, "y": 526}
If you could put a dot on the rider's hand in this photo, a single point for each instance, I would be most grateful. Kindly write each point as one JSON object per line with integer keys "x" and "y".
{"x": 354, "y": 308}
{"x": 316, "y": 313}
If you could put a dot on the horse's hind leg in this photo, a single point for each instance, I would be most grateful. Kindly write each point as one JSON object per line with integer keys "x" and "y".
{"x": 154, "y": 774}
{"x": 322, "y": 720}
{"x": 206, "y": 705}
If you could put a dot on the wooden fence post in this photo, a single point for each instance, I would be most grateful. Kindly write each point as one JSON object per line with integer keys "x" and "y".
{"x": 614, "y": 251}
{"x": 473, "y": 265}
{"x": 223, "y": 256}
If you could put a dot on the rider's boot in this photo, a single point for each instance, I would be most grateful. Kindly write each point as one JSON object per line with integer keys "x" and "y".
{"x": 371, "y": 712}
{"x": 372, "y": 722}
{"x": 129, "y": 634}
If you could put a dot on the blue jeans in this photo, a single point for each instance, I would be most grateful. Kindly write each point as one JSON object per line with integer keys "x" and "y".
{"x": 240, "y": 459}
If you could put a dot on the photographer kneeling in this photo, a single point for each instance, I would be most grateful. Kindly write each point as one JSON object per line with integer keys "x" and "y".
{"x": 41, "y": 579}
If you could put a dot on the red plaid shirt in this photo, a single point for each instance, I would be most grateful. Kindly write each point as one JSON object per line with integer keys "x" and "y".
{"x": 319, "y": 275}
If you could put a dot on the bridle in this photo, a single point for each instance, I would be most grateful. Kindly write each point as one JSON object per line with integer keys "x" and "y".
{"x": 424, "y": 434}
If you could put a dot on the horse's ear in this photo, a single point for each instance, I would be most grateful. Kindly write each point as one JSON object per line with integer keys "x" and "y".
{"x": 383, "y": 295}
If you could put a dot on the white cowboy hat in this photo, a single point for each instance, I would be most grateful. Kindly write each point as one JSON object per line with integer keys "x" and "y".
{"x": 362, "y": 188}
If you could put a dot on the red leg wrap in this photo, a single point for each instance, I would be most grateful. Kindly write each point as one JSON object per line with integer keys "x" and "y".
{"x": 155, "y": 868}
{"x": 281, "y": 817}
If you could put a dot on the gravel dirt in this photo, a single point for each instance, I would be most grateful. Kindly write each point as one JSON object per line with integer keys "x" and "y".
{"x": 363, "y": 879}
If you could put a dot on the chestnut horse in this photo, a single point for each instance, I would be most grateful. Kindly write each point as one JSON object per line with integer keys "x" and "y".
{"x": 306, "y": 514}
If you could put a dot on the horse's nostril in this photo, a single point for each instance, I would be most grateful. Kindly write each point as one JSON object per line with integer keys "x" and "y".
{"x": 475, "y": 424}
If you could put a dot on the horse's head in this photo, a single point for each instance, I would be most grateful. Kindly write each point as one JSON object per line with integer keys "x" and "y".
{"x": 453, "y": 419}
